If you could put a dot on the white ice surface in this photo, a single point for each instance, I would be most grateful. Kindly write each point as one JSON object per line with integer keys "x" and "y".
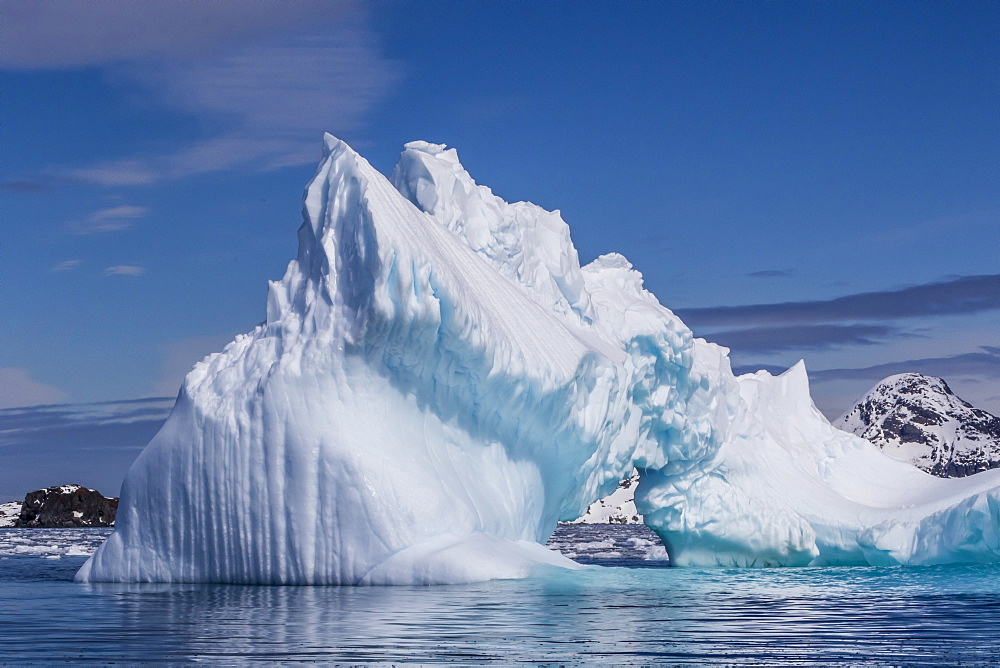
{"x": 51, "y": 542}
{"x": 438, "y": 382}
{"x": 9, "y": 513}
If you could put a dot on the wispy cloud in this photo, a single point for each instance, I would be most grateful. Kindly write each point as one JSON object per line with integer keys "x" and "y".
{"x": 966, "y": 294}
{"x": 275, "y": 101}
{"x": 269, "y": 77}
{"x": 66, "y": 265}
{"x": 112, "y": 219}
{"x": 18, "y": 388}
{"x": 257, "y": 152}
{"x": 979, "y": 365}
{"x": 125, "y": 270}
{"x": 804, "y": 337}
{"x": 66, "y": 34}
{"x": 89, "y": 444}
{"x": 26, "y": 419}
{"x": 772, "y": 273}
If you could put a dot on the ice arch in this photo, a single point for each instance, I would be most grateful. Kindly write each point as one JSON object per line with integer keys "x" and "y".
{"x": 439, "y": 381}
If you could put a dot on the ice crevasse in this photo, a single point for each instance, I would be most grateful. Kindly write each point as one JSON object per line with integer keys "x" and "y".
{"x": 439, "y": 382}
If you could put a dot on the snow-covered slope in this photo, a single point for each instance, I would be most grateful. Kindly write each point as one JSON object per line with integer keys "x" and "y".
{"x": 918, "y": 419}
{"x": 439, "y": 382}
{"x": 616, "y": 508}
{"x": 9, "y": 513}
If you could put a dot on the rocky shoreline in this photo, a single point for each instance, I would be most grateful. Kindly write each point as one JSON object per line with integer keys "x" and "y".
{"x": 60, "y": 507}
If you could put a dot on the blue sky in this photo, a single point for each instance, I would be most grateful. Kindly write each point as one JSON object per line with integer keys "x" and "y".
{"x": 797, "y": 180}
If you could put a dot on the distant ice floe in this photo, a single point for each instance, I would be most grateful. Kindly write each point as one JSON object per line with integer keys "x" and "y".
{"x": 52, "y": 542}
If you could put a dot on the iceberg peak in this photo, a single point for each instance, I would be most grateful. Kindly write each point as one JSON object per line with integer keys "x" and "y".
{"x": 439, "y": 382}
{"x": 611, "y": 261}
{"x": 430, "y": 148}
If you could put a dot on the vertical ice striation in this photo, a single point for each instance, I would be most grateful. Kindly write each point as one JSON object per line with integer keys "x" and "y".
{"x": 439, "y": 381}
{"x": 406, "y": 414}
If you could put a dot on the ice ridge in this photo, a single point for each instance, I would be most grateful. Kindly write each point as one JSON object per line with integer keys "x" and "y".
{"x": 439, "y": 382}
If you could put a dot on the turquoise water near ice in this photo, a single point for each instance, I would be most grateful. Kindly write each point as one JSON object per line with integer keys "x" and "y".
{"x": 634, "y": 612}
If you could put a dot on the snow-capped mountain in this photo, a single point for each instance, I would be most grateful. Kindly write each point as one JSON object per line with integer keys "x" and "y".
{"x": 617, "y": 507}
{"x": 918, "y": 419}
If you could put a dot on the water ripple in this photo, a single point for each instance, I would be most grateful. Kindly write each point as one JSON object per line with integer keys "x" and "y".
{"x": 620, "y": 615}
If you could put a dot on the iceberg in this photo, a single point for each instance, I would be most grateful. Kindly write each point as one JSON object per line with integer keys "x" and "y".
{"x": 439, "y": 382}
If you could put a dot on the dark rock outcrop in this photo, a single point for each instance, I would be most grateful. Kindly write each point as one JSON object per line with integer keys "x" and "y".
{"x": 67, "y": 506}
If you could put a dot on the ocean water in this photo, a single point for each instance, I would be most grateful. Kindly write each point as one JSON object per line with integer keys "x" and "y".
{"x": 628, "y": 608}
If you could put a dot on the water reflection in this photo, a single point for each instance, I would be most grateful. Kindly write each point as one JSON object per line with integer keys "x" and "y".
{"x": 637, "y": 614}
{"x": 600, "y": 615}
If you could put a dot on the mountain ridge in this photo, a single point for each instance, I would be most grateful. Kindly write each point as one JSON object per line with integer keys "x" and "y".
{"x": 917, "y": 418}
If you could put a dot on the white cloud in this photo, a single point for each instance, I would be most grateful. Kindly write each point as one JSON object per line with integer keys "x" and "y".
{"x": 126, "y": 172}
{"x": 17, "y": 388}
{"x": 209, "y": 155}
{"x": 113, "y": 219}
{"x": 275, "y": 101}
{"x": 270, "y": 75}
{"x": 66, "y": 265}
{"x": 62, "y": 34}
{"x": 285, "y": 87}
{"x": 125, "y": 270}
